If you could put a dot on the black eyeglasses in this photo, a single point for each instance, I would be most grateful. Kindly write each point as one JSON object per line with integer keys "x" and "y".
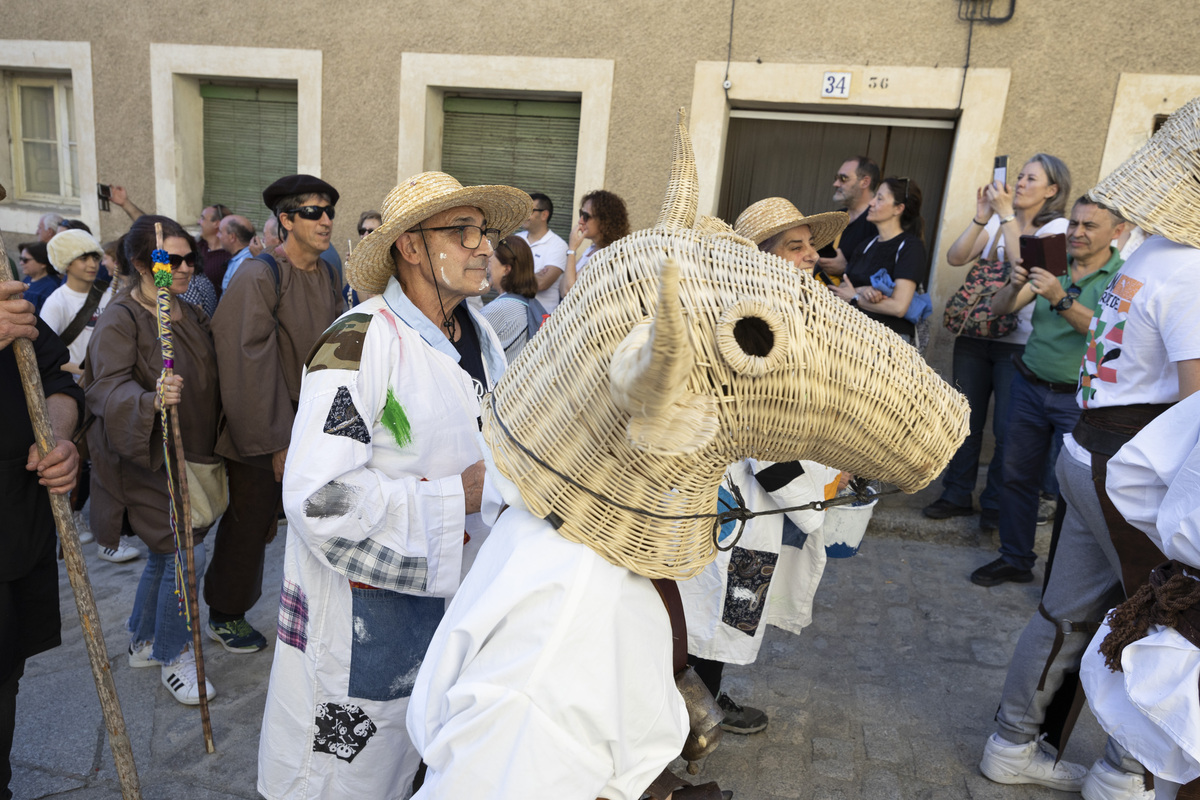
{"x": 535, "y": 208}
{"x": 585, "y": 216}
{"x": 471, "y": 236}
{"x": 365, "y": 231}
{"x": 25, "y": 259}
{"x": 176, "y": 260}
{"x": 312, "y": 213}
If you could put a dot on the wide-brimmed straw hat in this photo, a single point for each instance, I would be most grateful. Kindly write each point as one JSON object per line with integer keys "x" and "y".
{"x": 773, "y": 215}
{"x": 417, "y": 199}
{"x": 1158, "y": 187}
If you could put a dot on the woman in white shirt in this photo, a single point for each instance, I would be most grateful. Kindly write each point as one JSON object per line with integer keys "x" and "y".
{"x": 982, "y": 367}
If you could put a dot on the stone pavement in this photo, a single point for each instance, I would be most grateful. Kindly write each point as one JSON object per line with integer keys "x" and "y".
{"x": 889, "y": 694}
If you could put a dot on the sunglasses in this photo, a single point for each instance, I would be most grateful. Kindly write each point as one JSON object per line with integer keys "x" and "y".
{"x": 471, "y": 236}
{"x": 585, "y": 216}
{"x": 25, "y": 259}
{"x": 535, "y": 208}
{"x": 176, "y": 260}
{"x": 312, "y": 213}
{"x": 365, "y": 231}
{"x": 905, "y": 200}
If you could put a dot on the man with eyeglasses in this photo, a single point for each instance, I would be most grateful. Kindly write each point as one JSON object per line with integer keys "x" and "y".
{"x": 853, "y": 187}
{"x": 213, "y": 257}
{"x": 1042, "y": 401}
{"x": 383, "y": 491}
{"x": 274, "y": 310}
{"x": 549, "y": 250}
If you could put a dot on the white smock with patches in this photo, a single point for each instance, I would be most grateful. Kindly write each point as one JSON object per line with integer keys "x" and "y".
{"x": 380, "y": 505}
{"x": 1151, "y": 707}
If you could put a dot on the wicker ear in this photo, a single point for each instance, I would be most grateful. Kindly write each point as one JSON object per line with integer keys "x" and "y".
{"x": 648, "y": 379}
{"x": 683, "y": 190}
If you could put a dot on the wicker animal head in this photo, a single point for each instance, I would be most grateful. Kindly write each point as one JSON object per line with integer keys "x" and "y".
{"x": 680, "y": 351}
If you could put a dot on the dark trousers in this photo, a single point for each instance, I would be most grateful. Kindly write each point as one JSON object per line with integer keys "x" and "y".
{"x": 8, "y": 723}
{"x": 1037, "y": 420}
{"x": 233, "y": 582}
{"x": 708, "y": 671}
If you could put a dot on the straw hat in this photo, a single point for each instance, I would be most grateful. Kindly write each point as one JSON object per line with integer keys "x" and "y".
{"x": 416, "y": 200}
{"x": 775, "y": 215}
{"x": 683, "y": 349}
{"x": 1158, "y": 187}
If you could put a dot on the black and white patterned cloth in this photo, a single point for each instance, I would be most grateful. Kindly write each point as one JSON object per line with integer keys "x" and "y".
{"x": 344, "y": 419}
{"x": 343, "y": 730}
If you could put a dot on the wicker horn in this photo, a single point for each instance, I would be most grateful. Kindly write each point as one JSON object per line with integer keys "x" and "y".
{"x": 648, "y": 379}
{"x": 683, "y": 191}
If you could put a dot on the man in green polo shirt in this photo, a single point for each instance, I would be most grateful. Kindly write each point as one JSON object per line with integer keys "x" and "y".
{"x": 1042, "y": 404}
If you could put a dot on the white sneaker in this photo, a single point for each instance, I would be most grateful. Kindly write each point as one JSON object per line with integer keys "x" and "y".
{"x": 119, "y": 554}
{"x": 180, "y": 680}
{"x": 1106, "y": 783}
{"x": 140, "y": 656}
{"x": 82, "y": 527}
{"x": 1032, "y": 762}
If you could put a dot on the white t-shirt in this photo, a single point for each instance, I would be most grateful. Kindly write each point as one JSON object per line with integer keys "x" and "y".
{"x": 61, "y": 307}
{"x": 548, "y": 251}
{"x": 1025, "y": 315}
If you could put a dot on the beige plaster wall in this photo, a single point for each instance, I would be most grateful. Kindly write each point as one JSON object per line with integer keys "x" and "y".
{"x": 1064, "y": 63}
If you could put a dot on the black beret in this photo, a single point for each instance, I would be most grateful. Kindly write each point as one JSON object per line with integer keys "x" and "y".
{"x": 297, "y": 184}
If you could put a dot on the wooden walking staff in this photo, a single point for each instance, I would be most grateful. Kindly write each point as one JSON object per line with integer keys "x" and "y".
{"x": 180, "y": 519}
{"x": 77, "y": 574}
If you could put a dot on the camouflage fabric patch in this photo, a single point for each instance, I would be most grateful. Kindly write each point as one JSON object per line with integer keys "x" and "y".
{"x": 341, "y": 346}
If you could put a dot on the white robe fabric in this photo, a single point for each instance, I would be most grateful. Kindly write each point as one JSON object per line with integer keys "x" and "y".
{"x": 1152, "y": 707}
{"x": 760, "y": 580}
{"x": 550, "y": 676}
{"x": 373, "y": 496}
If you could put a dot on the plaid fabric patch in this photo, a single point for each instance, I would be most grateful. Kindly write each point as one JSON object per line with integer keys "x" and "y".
{"x": 293, "y": 616}
{"x": 371, "y": 563}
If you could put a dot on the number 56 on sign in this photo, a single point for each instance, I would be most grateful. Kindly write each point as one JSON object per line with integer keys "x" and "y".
{"x": 836, "y": 85}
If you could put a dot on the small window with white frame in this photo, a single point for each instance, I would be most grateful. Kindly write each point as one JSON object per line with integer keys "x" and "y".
{"x": 42, "y": 131}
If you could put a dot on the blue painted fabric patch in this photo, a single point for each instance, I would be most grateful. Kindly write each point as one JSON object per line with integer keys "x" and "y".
{"x": 392, "y": 631}
{"x": 725, "y": 502}
{"x": 792, "y": 535}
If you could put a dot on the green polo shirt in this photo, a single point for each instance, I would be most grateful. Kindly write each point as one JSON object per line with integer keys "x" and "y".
{"x": 1055, "y": 349}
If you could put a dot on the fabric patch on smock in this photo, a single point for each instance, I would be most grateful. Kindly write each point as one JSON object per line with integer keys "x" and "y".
{"x": 750, "y": 573}
{"x": 344, "y": 419}
{"x": 725, "y": 502}
{"x": 293, "y": 616}
{"x": 793, "y": 536}
{"x": 392, "y": 631}
{"x": 341, "y": 346}
{"x": 395, "y": 420}
{"x": 343, "y": 730}
{"x": 334, "y": 499}
{"x": 371, "y": 563}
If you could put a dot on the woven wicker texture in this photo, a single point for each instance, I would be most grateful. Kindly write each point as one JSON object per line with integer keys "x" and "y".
{"x": 772, "y": 215}
{"x": 678, "y": 353}
{"x": 683, "y": 190}
{"x": 370, "y": 265}
{"x": 1158, "y": 187}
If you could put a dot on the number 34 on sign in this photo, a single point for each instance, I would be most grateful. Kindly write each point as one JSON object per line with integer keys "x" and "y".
{"x": 836, "y": 85}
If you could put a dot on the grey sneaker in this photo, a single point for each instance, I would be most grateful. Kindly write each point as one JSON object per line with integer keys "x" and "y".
{"x": 1106, "y": 783}
{"x": 1047, "y": 506}
{"x": 1032, "y": 762}
{"x": 740, "y": 719}
{"x": 82, "y": 527}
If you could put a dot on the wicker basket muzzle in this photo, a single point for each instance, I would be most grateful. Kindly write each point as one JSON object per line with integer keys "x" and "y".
{"x": 678, "y": 353}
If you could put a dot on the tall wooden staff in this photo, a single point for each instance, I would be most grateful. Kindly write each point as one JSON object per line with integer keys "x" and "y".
{"x": 77, "y": 573}
{"x": 180, "y": 520}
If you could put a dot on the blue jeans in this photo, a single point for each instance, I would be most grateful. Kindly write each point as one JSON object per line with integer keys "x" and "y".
{"x": 1037, "y": 417}
{"x": 157, "y": 615}
{"x": 982, "y": 367}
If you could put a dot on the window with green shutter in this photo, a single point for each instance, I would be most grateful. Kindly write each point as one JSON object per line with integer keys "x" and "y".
{"x": 249, "y": 142}
{"x": 530, "y": 144}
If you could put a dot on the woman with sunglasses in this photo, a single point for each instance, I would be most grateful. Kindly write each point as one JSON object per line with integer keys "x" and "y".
{"x": 368, "y": 221}
{"x": 602, "y": 219}
{"x": 516, "y": 314}
{"x": 40, "y": 276}
{"x": 898, "y": 252}
{"x": 125, "y": 392}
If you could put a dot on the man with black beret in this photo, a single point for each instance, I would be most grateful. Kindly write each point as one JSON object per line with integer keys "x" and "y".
{"x": 273, "y": 311}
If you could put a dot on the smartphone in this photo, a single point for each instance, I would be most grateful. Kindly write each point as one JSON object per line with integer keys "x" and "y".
{"x": 1000, "y": 170}
{"x": 1047, "y": 252}
{"x": 104, "y": 192}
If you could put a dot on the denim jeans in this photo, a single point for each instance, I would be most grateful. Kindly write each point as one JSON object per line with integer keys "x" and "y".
{"x": 157, "y": 615}
{"x": 1037, "y": 417}
{"x": 982, "y": 367}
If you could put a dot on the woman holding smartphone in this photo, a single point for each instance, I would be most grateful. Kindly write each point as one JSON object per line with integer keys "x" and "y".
{"x": 603, "y": 220}
{"x": 1034, "y": 204}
